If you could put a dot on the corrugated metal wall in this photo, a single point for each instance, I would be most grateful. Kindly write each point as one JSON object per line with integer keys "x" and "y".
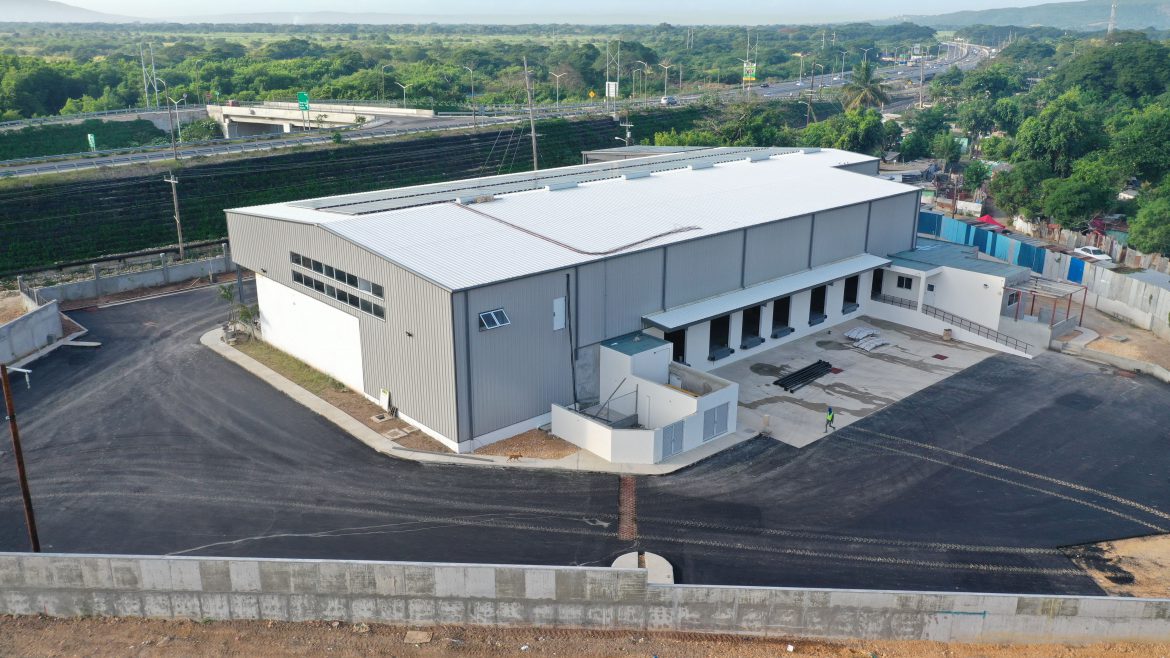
{"x": 409, "y": 354}
{"x": 774, "y": 250}
{"x": 838, "y": 234}
{"x": 633, "y": 288}
{"x": 702, "y": 268}
{"x": 892, "y": 225}
{"x": 518, "y": 371}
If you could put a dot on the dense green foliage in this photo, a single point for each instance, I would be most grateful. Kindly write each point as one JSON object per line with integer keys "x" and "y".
{"x": 95, "y": 217}
{"x": 71, "y": 138}
{"x": 46, "y": 70}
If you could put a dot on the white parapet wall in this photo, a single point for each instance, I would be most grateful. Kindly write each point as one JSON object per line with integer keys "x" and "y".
{"x": 32, "y": 331}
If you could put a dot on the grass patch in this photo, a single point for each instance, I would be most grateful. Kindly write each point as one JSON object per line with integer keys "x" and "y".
{"x": 299, "y": 372}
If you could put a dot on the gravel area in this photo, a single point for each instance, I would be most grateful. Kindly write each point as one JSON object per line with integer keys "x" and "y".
{"x": 115, "y": 638}
{"x": 535, "y": 444}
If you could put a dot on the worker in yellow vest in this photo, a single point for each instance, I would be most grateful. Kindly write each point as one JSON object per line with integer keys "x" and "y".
{"x": 829, "y": 420}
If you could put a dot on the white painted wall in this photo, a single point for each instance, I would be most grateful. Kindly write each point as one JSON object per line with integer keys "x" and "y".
{"x": 326, "y": 338}
{"x": 921, "y": 321}
{"x": 623, "y": 446}
{"x": 972, "y": 295}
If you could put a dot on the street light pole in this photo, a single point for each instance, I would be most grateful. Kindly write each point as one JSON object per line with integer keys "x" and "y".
{"x": 800, "y": 78}
{"x": 384, "y": 67}
{"x": 170, "y": 117}
{"x": 403, "y": 92}
{"x": 644, "y": 67}
{"x": 474, "y": 124}
{"x": 10, "y": 408}
{"x": 558, "y": 77}
{"x": 844, "y": 54}
{"x": 821, "y": 79}
{"x": 665, "y": 76}
{"x": 865, "y": 54}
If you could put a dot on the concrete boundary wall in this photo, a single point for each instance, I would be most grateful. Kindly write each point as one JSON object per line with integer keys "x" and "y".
{"x": 30, "y": 332}
{"x": 421, "y": 594}
{"x": 159, "y": 276}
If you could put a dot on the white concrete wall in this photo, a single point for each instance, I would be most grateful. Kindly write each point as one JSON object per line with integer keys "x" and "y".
{"x": 658, "y": 405}
{"x": 30, "y": 332}
{"x": 636, "y": 446}
{"x": 972, "y": 295}
{"x": 921, "y": 321}
{"x": 620, "y": 446}
{"x": 314, "y": 332}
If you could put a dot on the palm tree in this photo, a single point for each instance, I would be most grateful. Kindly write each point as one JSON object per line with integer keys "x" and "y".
{"x": 865, "y": 89}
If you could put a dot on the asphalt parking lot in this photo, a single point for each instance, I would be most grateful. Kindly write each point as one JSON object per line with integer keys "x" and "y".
{"x": 153, "y": 444}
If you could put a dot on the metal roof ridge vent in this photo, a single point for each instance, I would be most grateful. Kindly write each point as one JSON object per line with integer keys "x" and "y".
{"x": 468, "y": 200}
{"x": 703, "y": 164}
{"x": 759, "y": 156}
{"x": 631, "y": 175}
{"x": 553, "y": 186}
{"x": 810, "y": 149}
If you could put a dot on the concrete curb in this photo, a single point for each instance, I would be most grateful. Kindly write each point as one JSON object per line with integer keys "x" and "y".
{"x": 582, "y": 460}
{"x": 1125, "y": 363}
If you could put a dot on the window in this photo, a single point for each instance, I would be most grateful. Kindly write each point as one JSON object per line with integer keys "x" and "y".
{"x": 294, "y": 257}
{"x": 330, "y": 290}
{"x": 379, "y": 312}
{"x": 318, "y": 267}
{"x": 930, "y": 287}
{"x": 377, "y": 291}
{"x": 715, "y": 422}
{"x": 351, "y": 280}
{"x": 339, "y": 275}
{"x": 354, "y": 300}
{"x": 366, "y": 305}
{"x": 329, "y": 271}
{"x": 318, "y": 286}
{"x": 297, "y": 278}
{"x": 363, "y": 285}
{"x": 493, "y": 319}
{"x": 1013, "y": 298}
{"x": 905, "y": 283}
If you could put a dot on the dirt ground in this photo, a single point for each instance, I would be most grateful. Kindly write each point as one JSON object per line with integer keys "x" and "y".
{"x": 536, "y": 444}
{"x": 11, "y": 306}
{"x": 115, "y": 638}
{"x": 1129, "y": 567}
{"x": 1141, "y": 344}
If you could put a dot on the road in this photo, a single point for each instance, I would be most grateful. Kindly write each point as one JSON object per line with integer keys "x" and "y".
{"x": 407, "y": 125}
{"x": 153, "y": 444}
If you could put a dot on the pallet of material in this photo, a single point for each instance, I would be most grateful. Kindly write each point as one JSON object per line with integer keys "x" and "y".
{"x": 796, "y": 380}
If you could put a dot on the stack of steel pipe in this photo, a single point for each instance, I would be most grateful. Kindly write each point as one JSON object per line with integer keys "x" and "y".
{"x": 793, "y": 382}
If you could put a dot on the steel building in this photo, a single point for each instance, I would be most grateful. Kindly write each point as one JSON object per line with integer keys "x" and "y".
{"x": 481, "y": 308}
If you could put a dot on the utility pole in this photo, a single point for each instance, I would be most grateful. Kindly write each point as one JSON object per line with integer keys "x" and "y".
{"x": 145, "y": 88}
{"x": 627, "y": 125}
{"x": 921, "y": 82}
{"x": 178, "y": 220}
{"x": 153, "y": 73}
{"x": 531, "y": 115}
{"x": 10, "y": 408}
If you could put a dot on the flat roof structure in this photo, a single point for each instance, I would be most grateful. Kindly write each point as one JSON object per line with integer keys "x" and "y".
{"x": 929, "y": 255}
{"x": 472, "y": 233}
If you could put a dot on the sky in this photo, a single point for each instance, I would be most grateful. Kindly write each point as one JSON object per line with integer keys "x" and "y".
{"x": 593, "y": 11}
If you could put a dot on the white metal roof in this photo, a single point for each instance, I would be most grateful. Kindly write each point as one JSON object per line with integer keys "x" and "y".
{"x": 515, "y": 234}
{"x": 685, "y": 316}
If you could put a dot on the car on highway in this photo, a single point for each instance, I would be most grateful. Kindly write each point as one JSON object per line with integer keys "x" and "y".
{"x": 1093, "y": 252}
{"x": 668, "y": 100}
{"x": 764, "y": 85}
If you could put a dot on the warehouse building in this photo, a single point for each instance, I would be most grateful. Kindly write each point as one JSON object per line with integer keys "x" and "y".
{"x": 595, "y": 297}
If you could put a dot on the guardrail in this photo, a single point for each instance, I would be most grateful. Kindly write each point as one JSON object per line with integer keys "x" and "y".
{"x": 975, "y": 328}
{"x": 896, "y": 301}
{"x": 62, "y": 118}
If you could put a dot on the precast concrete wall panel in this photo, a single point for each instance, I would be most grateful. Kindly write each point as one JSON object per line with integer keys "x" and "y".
{"x": 409, "y": 353}
{"x": 838, "y": 234}
{"x": 892, "y": 225}
{"x": 703, "y": 268}
{"x": 520, "y": 370}
{"x": 427, "y": 594}
{"x": 777, "y": 249}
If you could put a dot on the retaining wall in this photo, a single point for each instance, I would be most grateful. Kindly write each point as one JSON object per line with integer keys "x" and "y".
{"x": 30, "y": 332}
{"x": 568, "y": 597}
{"x": 160, "y": 276}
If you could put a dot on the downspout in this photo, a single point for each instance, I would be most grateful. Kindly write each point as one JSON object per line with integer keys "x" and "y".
{"x": 569, "y": 327}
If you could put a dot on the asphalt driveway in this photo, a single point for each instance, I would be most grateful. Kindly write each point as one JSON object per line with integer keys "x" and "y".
{"x": 153, "y": 444}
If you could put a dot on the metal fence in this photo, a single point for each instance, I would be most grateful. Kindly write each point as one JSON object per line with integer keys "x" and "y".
{"x": 897, "y": 301}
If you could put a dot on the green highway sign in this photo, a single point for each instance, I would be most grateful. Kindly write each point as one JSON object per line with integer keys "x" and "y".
{"x": 92, "y": 143}
{"x": 303, "y": 100}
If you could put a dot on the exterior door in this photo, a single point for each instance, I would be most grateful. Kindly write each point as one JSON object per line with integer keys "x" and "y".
{"x": 672, "y": 439}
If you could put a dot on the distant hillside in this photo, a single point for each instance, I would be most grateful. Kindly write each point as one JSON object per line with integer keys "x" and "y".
{"x": 48, "y": 11}
{"x": 1088, "y": 15}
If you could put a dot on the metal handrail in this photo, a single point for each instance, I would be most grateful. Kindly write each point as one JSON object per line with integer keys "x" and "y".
{"x": 976, "y": 328}
{"x": 960, "y": 322}
{"x": 896, "y": 301}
